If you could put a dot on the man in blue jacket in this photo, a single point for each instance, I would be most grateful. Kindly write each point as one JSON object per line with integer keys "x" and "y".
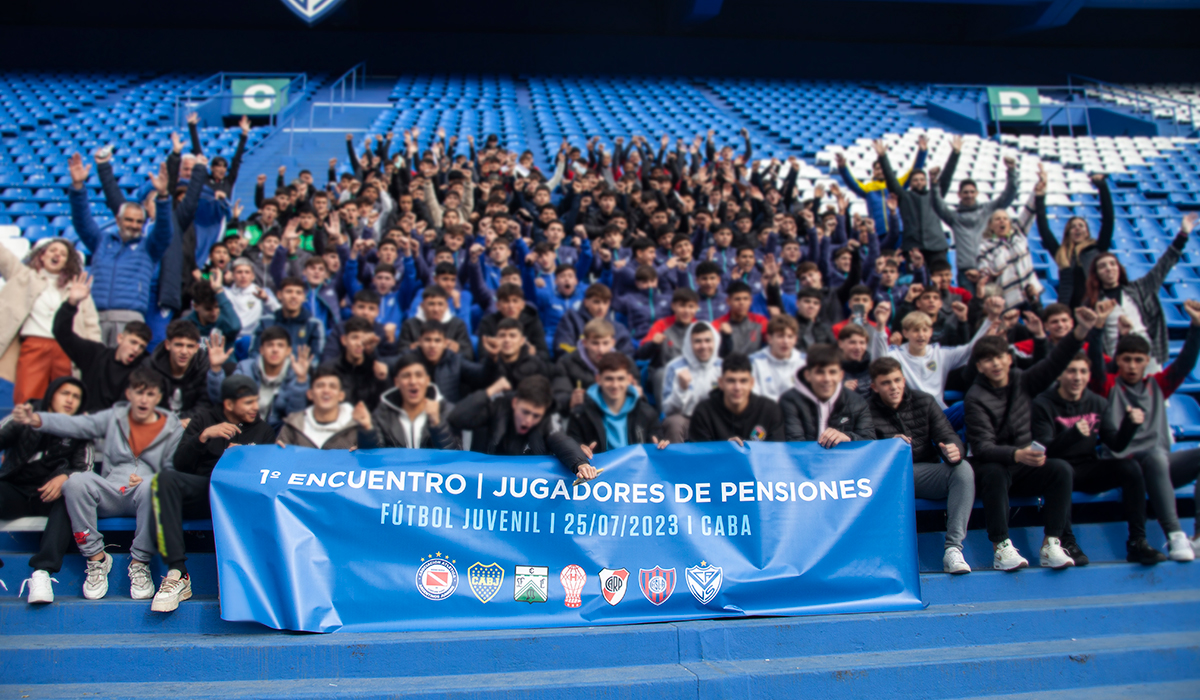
{"x": 123, "y": 260}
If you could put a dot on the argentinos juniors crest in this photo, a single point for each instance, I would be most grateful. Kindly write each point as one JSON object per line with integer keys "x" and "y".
{"x": 437, "y": 578}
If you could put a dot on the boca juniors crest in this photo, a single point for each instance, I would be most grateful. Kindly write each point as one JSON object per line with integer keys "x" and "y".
{"x": 485, "y": 580}
{"x": 613, "y": 585}
{"x": 703, "y": 581}
{"x": 311, "y": 11}
{"x": 657, "y": 584}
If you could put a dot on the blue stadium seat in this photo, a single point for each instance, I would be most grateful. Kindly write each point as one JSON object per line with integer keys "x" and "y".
{"x": 1183, "y": 413}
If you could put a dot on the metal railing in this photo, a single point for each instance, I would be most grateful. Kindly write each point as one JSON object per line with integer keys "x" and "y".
{"x": 352, "y": 77}
{"x": 1181, "y": 112}
{"x": 218, "y": 86}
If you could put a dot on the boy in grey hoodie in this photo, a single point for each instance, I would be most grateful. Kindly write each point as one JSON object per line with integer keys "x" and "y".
{"x": 139, "y": 441}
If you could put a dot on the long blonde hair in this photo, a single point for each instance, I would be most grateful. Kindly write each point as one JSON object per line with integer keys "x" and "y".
{"x": 1069, "y": 250}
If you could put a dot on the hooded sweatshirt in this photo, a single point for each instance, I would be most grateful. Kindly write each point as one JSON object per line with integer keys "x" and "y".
{"x": 704, "y": 375}
{"x": 113, "y": 426}
{"x": 33, "y": 457}
{"x": 187, "y": 394}
{"x": 615, "y": 429}
{"x": 773, "y": 376}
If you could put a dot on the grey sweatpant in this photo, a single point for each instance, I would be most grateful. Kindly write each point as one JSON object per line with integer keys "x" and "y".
{"x": 675, "y": 428}
{"x": 112, "y": 323}
{"x": 90, "y": 497}
{"x": 1156, "y": 468}
{"x": 956, "y": 484}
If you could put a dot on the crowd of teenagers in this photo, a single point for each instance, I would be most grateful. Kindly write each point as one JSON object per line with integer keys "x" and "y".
{"x": 437, "y": 295}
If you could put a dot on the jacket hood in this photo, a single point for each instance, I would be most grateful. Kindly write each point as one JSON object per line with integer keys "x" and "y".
{"x": 44, "y": 404}
{"x": 392, "y": 399}
{"x": 631, "y": 399}
{"x": 446, "y": 317}
{"x": 690, "y": 356}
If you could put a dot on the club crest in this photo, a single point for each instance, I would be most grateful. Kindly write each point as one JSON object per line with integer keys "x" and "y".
{"x": 437, "y": 578}
{"x": 485, "y": 580}
{"x": 703, "y": 581}
{"x": 311, "y": 11}
{"x": 613, "y": 585}
{"x": 531, "y": 584}
{"x": 572, "y": 579}
{"x": 657, "y": 584}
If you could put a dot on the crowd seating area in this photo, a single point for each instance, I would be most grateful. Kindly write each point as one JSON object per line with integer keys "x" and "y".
{"x": 47, "y": 117}
{"x": 44, "y": 117}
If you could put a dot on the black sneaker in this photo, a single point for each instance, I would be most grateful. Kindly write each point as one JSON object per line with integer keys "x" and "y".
{"x": 1139, "y": 551}
{"x": 1071, "y": 547}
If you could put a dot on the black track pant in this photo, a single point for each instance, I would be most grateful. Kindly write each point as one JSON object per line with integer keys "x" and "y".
{"x": 1105, "y": 474}
{"x": 994, "y": 483}
{"x": 21, "y": 502}
{"x": 177, "y": 496}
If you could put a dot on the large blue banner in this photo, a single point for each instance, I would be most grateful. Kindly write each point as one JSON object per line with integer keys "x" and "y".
{"x": 393, "y": 540}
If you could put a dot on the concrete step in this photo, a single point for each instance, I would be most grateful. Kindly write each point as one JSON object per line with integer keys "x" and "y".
{"x": 1103, "y": 542}
{"x": 946, "y": 672}
{"x": 97, "y": 636}
{"x": 1177, "y": 690}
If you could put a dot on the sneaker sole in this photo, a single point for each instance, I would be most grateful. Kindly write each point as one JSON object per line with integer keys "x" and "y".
{"x": 95, "y": 597}
{"x": 40, "y": 601}
{"x": 147, "y": 596}
{"x": 157, "y": 607}
{"x": 1022, "y": 565}
{"x": 1060, "y": 567}
{"x": 958, "y": 572}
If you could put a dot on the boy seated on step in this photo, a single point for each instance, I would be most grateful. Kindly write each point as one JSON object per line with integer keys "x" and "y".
{"x": 36, "y": 466}
{"x": 182, "y": 492}
{"x": 1007, "y": 461}
{"x": 139, "y": 441}
{"x": 1132, "y": 387}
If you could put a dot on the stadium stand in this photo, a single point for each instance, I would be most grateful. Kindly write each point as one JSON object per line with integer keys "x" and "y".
{"x": 1137, "y": 621}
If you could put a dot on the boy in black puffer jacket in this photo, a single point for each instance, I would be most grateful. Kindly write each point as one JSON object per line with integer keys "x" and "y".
{"x": 36, "y": 465}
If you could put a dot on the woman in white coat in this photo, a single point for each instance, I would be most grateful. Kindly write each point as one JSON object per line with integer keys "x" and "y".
{"x": 33, "y": 291}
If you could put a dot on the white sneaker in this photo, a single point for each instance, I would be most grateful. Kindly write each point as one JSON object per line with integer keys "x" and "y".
{"x": 1179, "y": 547}
{"x": 141, "y": 587}
{"x": 174, "y": 590}
{"x": 95, "y": 586}
{"x": 953, "y": 562}
{"x": 1054, "y": 556}
{"x": 1007, "y": 558}
{"x": 40, "y": 590}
